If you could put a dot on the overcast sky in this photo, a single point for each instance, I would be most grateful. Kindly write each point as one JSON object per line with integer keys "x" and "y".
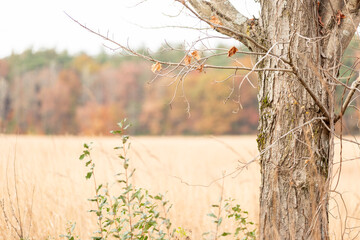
{"x": 43, "y": 23}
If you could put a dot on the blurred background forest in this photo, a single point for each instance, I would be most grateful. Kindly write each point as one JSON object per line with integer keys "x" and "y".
{"x": 50, "y": 92}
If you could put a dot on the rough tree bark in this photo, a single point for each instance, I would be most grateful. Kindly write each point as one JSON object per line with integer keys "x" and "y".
{"x": 296, "y": 108}
{"x": 294, "y": 170}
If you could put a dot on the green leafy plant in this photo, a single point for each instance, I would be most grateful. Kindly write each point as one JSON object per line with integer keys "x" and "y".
{"x": 70, "y": 235}
{"x": 228, "y": 209}
{"x": 133, "y": 213}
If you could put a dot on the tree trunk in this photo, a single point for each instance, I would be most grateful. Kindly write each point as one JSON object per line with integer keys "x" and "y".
{"x": 293, "y": 138}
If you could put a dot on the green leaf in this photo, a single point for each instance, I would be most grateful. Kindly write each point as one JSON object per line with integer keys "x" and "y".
{"x": 132, "y": 173}
{"x": 211, "y": 215}
{"x": 88, "y": 175}
{"x": 219, "y": 221}
{"x": 158, "y": 197}
{"x": 225, "y": 234}
{"x": 107, "y": 223}
{"x": 127, "y": 126}
{"x": 99, "y": 187}
{"x": 115, "y": 132}
{"x": 73, "y": 227}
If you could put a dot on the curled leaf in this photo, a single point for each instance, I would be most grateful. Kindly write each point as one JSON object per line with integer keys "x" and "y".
{"x": 339, "y": 16}
{"x": 232, "y": 51}
{"x": 187, "y": 60}
{"x": 195, "y": 54}
{"x": 252, "y": 22}
{"x": 215, "y": 20}
{"x": 200, "y": 68}
{"x": 156, "y": 67}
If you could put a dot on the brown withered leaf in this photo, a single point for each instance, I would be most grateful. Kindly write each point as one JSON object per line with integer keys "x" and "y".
{"x": 156, "y": 67}
{"x": 232, "y": 51}
{"x": 200, "y": 68}
{"x": 215, "y": 20}
{"x": 195, "y": 54}
{"x": 339, "y": 16}
{"x": 187, "y": 60}
{"x": 252, "y": 22}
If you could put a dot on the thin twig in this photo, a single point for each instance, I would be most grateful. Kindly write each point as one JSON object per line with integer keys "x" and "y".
{"x": 306, "y": 86}
{"x": 150, "y": 59}
{"x": 17, "y": 195}
{"x": 347, "y": 101}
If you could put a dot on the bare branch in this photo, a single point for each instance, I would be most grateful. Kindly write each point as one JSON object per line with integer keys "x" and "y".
{"x": 233, "y": 23}
{"x": 182, "y": 64}
{"x": 346, "y": 103}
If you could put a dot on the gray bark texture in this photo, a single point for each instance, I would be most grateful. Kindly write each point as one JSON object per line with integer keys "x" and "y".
{"x": 297, "y": 107}
{"x": 294, "y": 170}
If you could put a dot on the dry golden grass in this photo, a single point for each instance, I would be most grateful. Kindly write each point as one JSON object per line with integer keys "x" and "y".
{"x": 52, "y": 189}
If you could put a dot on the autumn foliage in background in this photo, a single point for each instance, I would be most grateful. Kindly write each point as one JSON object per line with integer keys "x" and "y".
{"x": 47, "y": 92}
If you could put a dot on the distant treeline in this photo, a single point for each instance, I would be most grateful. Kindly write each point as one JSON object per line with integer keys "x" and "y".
{"x": 49, "y": 92}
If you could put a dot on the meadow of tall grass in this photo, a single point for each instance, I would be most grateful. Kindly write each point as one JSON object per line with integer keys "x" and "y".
{"x": 42, "y": 184}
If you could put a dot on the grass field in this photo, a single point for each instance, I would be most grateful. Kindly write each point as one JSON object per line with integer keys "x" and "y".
{"x": 52, "y": 189}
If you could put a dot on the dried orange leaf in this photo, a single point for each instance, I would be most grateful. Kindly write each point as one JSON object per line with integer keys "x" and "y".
{"x": 200, "y": 68}
{"x": 339, "y": 16}
{"x": 187, "y": 60}
{"x": 232, "y": 51}
{"x": 195, "y": 55}
{"x": 215, "y": 20}
{"x": 156, "y": 67}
